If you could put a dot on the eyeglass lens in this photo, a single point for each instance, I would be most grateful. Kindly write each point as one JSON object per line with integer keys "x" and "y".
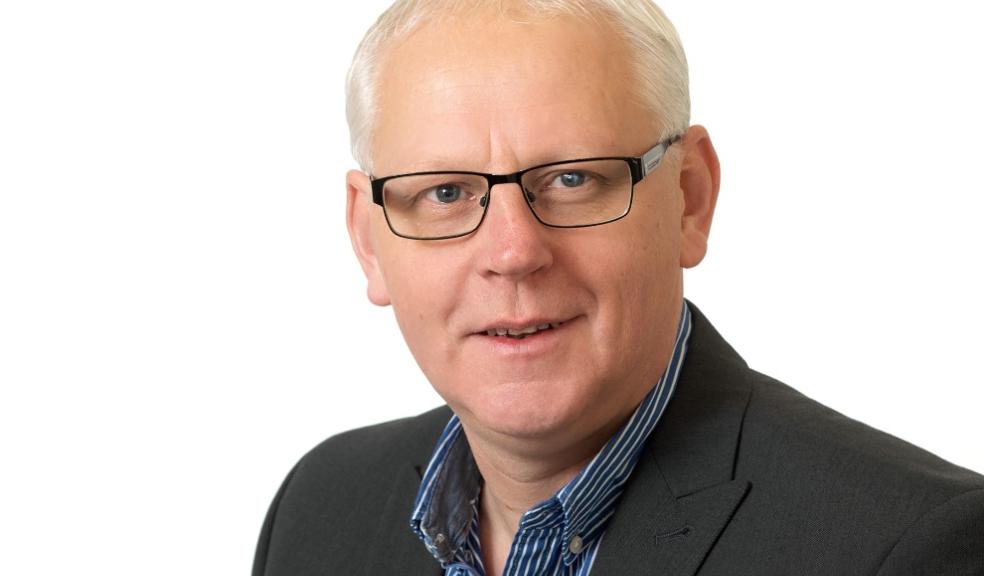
{"x": 451, "y": 203}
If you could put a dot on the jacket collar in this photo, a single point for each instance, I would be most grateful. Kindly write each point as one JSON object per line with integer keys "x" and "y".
{"x": 696, "y": 443}
{"x": 684, "y": 494}
{"x": 395, "y": 548}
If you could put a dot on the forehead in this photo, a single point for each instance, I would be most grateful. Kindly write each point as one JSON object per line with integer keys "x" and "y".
{"x": 480, "y": 92}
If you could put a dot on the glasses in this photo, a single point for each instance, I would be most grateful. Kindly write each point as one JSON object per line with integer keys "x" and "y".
{"x": 566, "y": 194}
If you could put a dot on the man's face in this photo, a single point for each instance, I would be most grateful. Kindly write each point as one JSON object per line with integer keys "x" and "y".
{"x": 491, "y": 95}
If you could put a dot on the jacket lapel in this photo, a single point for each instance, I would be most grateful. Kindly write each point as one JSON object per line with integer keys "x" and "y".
{"x": 654, "y": 532}
{"x": 396, "y": 549}
{"x": 683, "y": 493}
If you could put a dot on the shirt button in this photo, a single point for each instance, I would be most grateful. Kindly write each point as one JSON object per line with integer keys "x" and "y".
{"x": 576, "y": 545}
{"x": 441, "y": 544}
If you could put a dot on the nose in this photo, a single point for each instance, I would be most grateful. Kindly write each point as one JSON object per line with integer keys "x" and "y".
{"x": 514, "y": 243}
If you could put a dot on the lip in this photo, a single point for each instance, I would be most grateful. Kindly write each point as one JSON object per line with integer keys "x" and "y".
{"x": 520, "y": 324}
{"x": 534, "y": 345}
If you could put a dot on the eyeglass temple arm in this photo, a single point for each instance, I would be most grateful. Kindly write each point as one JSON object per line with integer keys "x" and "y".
{"x": 651, "y": 159}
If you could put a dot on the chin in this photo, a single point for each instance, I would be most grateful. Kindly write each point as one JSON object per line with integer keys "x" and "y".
{"x": 526, "y": 411}
{"x": 528, "y": 427}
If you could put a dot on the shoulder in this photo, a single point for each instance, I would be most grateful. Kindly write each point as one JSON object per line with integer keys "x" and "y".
{"x": 782, "y": 425}
{"x": 329, "y": 510}
{"x": 826, "y": 493}
{"x": 389, "y": 444}
{"x": 785, "y": 434}
{"x": 836, "y": 484}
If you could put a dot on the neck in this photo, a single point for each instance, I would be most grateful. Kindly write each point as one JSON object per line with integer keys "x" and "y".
{"x": 514, "y": 483}
{"x": 516, "y": 480}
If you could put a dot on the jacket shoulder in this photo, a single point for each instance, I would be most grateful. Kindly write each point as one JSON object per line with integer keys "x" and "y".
{"x": 845, "y": 494}
{"x": 782, "y": 424}
{"x": 328, "y": 511}
{"x": 389, "y": 443}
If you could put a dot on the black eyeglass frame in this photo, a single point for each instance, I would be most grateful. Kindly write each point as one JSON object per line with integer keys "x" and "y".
{"x": 639, "y": 168}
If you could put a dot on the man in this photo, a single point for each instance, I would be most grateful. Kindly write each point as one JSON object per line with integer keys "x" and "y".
{"x": 531, "y": 191}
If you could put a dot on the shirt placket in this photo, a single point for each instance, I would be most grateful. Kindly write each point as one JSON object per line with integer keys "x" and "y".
{"x": 535, "y": 550}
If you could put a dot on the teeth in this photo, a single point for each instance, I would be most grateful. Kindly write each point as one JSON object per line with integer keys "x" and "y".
{"x": 524, "y": 331}
{"x": 521, "y": 333}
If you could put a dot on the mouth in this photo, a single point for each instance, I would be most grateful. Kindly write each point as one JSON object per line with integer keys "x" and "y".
{"x": 521, "y": 333}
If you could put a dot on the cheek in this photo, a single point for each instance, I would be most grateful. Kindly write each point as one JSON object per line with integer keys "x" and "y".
{"x": 424, "y": 290}
{"x": 655, "y": 240}
{"x": 636, "y": 277}
{"x": 639, "y": 257}
{"x": 417, "y": 294}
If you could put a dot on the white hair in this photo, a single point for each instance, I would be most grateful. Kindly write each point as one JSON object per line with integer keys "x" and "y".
{"x": 662, "y": 81}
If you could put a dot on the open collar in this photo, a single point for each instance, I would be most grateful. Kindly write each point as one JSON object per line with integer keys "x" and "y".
{"x": 682, "y": 494}
{"x": 446, "y": 502}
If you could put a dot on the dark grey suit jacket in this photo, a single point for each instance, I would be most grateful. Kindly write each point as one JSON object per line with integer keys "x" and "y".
{"x": 743, "y": 476}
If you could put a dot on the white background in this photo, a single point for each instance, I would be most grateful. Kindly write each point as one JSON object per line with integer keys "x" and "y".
{"x": 181, "y": 316}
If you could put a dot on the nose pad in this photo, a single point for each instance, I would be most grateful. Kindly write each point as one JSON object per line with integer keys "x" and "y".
{"x": 484, "y": 200}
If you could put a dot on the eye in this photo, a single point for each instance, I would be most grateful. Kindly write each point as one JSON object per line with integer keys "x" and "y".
{"x": 569, "y": 179}
{"x": 446, "y": 193}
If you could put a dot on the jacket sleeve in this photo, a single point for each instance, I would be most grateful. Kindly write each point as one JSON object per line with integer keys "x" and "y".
{"x": 946, "y": 541}
{"x": 263, "y": 545}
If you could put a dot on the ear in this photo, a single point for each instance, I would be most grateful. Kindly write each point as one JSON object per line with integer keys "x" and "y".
{"x": 358, "y": 218}
{"x": 700, "y": 179}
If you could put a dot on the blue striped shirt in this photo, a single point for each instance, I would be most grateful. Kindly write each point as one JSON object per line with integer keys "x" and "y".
{"x": 561, "y": 535}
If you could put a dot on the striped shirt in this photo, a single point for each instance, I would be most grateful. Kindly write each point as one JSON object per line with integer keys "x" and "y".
{"x": 561, "y": 535}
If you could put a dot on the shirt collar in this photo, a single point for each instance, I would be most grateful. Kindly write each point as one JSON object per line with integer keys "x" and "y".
{"x": 447, "y": 499}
